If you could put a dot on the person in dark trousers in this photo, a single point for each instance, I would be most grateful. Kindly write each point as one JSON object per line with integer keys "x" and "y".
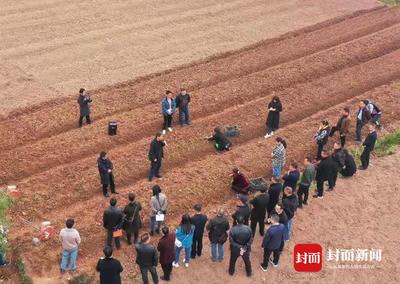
{"x": 279, "y": 210}
{"x": 350, "y": 167}
{"x": 290, "y": 204}
{"x": 158, "y": 206}
{"x": 168, "y": 107}
{"x": 342, "y": 126}
{"x": 321, "y": 137}
{"x": 363, "y": 117}
{"x": 305, "y": 182}
{"x": 218, "y": 234}
{"x": 132, "y": 221}
{"x": 376, "y": 114}
{"x": 156, "y": 154}
{"x": 199, "y": 221}
{"x": 325, "y": 172}
{"x": 106, "y": 174}
{"x": 184, "y": 235}
{"x": 221, "y": 142}
{"x": 112, "y": 221}
{"x": 274, "y": 110}
{"x": 369, "y": 145}
{"x": 182, "y": 103}
{"x": 110, "y": 268}
{"x": 240, "y": 183}
{"x": 338, "y": 157}
{"x": 166, "y": 247}
{"x": 273, "y": 243}
{"x": 242, "y": 209}
{"x": 147, "y": 258}
{"x": 274, "y": 192}
{"x": 292, "y": 176}
{"x": 240, "y": 238}
{"x": 84, "y": 107}
{"x": 259, "y": 211}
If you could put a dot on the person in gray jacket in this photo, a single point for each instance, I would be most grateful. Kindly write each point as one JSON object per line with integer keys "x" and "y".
{"x": 158, "y": 209}
{"x": 84, "y": 106}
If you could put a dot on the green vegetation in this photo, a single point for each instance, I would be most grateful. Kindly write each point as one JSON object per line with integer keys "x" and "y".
{"x": 81, "y": 279}
{"x": 25, "y": 279}
{"x": 5, "y": 203}
{"x": 391, "y": 2}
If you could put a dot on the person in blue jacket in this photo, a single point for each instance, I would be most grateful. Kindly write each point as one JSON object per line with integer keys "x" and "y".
{"x": 184, "y": 240}
{"x": 168, "y": 106}
{"x": 273, "y": 243}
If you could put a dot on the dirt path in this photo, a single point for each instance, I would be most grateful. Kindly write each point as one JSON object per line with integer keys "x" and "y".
{"x": 49, "y": 48}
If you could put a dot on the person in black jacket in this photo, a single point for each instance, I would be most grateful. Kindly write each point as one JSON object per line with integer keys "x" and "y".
{"x": 273, "y": 243}
{"x": 369, "y": 145}
{"x": 242, "y": 209}
{"x": 218, "y": 228}
{"x": 274, "y": 108}
{"x": 321, "y": 137}
{"x": 112, "y": 221}
{"x": 350, "y": 167}
{"x": 338, "y": 157}
{"x": 182, "y": 103}
{"x": 222, "y": 143}
{"x": 147, "y": 258}
{"x": 84, "y": 107}
{"x": 106, "y": 173}
{"x": 199, "y": 221}
{"x": 290, "y": 204}
{"x": 132, "y": 221}
{"x": 240, "y": 238}
{"x": 292, "y": 176}
{"x": 259, "y": 210}
{"x": 363, "y": 116}
{"x": 156, "y": 154}
{"x": 278, "y": 210}
{"x": 109, "y": 268}
{"x": 325, "y": 172}
{"x": 274, "y": 192}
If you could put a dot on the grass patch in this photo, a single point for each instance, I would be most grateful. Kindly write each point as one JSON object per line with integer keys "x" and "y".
{"x": 391, "y": 2}
{"x": 25, "y": 279}
{"x": 82, "y": 279}
{"x": 5, "y": 203}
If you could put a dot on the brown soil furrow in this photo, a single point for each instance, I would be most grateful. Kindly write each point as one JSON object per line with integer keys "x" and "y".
{"x": 207, "y": 185}
{"x": 187, "y": 145}
{"x": 137, "y": 126}
{"x": 60, "y": 116}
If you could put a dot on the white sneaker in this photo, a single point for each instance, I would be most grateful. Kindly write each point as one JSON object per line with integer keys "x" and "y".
{"x": 170, "y": 129}
{"x": 164, "y": 131}
{"x": 186, "y": 264}
{"x": 267, "y": 136}
{"x": 175, "y": 264}
{"x": 272, "y": 133}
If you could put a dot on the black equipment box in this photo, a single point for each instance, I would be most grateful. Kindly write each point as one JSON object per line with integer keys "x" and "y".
{"x": 112, "y": 128}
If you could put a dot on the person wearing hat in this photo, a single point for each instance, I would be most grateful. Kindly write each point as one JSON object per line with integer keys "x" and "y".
{"x": 218, "y": 234}
{"x": 222, "y": 143}
{"x": 158, "y": 206}
{"x": 321, "y": 136}
{"x": 84, "y": 107}
{"x": 242, "y": 209}
{"x": 363, "y": 116}
{"x": 240, "y": 183}
{"x": 106, "y": 173}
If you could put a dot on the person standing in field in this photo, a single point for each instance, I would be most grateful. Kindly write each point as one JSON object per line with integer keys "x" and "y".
{"x": 182, "y": 103}
{"x": 156, "y": 154}
{"x": 259, "y": 211}
{"x": 70, "y": 240}
{"x": 112, "y": 221}
{"x": 166, "y": 247}
{"x": 168, "y": 106}
{"x": 369, "y": 145}
{"x": 363, "y": 116}
{"x": 106, "y": 174}
{"x": 242, "y": 209}
{"x": 292, "y": 176}
{"x": 158, "y": 207}
{"x": 184, "y": 240}
{"x": 274, "y": 108}
{"x": 338, "y": 157}
{"x": 278, "y": 156}
{"x": 325, "y": 172}
{"x": 147, "y": 258}
{"x": 132, "y": 222}
{"x": 321, "y": 137}
{"x": 273, "y": 243}
{"x": 290, "y": 203}
{"x": 375, "y": 112}
{"x": 84, "y": 107}
{"x": 218, "y": 234}
{"x": 274, "y": 192}
{"x": 342, "y": 126}
{"x": 305, "y": 182}
{"x": 110, "y": 268}
{"x": 199, "y": 221}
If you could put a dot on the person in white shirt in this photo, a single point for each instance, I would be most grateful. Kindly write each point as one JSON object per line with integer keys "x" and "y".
{"x": 70, "y": 241}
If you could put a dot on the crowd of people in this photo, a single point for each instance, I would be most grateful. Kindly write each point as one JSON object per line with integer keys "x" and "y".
{"x": 272, "y": 208}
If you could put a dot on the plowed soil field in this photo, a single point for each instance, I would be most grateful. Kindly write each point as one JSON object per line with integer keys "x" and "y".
{"x": 316, "y": 71}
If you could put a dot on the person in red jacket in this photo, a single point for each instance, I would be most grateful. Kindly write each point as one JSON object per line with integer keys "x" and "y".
{"x": 166, "y": 247}
{"x": 240, "y": 183}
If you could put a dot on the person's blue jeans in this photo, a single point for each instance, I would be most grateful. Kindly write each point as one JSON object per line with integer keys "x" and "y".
{"x": 154, "y": 169}
{"x": 217, "y": 247}
{"x": 276, "y": 171}
{"x": 2, "y": 259}
{"x": 288, "y": 230}
{"x": 184, "y": 116}
{"x": 70, "y": 255}
{"x": 187, "y": 254}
